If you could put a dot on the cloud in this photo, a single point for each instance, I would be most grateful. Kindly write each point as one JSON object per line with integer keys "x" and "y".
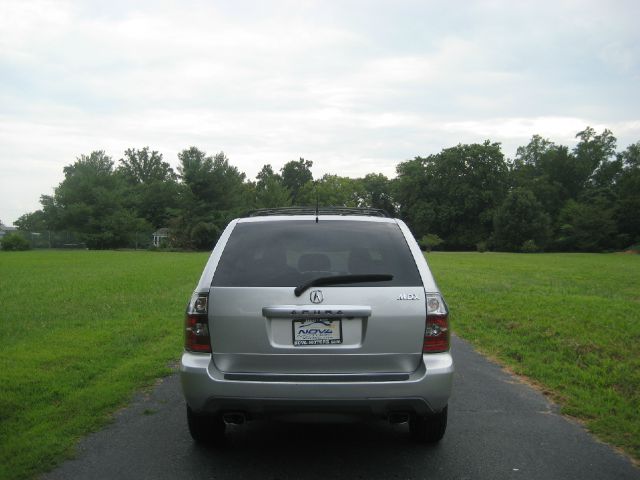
{"x": 354, "y": 86}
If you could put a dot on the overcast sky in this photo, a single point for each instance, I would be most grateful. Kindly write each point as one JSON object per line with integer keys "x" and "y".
{"x": 355, "y": 86}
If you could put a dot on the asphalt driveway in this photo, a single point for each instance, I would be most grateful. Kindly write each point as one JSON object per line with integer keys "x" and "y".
{"x": 499, "y": 428}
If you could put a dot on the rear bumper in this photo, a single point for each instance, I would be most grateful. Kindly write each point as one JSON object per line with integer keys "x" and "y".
{"x": 424, "y": 391}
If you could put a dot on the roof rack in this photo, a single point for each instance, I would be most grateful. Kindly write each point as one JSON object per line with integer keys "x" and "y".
{"x": 367, "y": 212}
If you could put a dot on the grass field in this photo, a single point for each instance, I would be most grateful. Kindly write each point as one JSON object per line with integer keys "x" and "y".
{"x": 569, "y": 322}
{"x": 81, "y": 331}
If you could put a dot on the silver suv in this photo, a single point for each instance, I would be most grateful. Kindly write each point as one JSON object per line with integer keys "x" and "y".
{"x": 317, "y": 311}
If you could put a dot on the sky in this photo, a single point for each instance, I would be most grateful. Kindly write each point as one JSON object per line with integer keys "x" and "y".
{"x": 354, "y": 86}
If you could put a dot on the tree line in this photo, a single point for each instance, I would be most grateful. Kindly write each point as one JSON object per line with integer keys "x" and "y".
{"x": 466, "y": 197}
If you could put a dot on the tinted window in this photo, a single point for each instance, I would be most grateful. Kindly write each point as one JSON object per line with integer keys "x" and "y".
{"x": 288, "y": 253}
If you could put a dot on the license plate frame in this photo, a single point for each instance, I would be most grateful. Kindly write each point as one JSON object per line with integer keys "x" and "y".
{"x": 319, "y": 331}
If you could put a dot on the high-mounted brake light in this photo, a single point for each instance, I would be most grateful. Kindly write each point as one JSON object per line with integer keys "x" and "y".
{"x": 436, "y": 333}
{"x": 196, "y": 324}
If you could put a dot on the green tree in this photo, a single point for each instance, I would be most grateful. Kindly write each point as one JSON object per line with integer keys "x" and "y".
{"x": 295, "y": 174}
{"x": 413, "y": 192}
{"x": 519, "y": 219}
{"x": 532, "y": 153}
{"x": 32, "y": 222}
{"x": 630, "y": 158}
{"x": 265, "y": 174}
{"x": 152, "y": 191}
{"x": 628, "y": 195}
{"x": 586, "y": 227}
{"x": 90, "y": 201}
{"x": 454, "y": 193}
{"x": 595, "y": 154}
{"x": 270, "y": 190}
{"x": 212, "y": 181}
{"x": 212, "y": 193}
{"x": 377, "y": 192}
{"x": 593, "y": 151}
{"x": 331, "y": 190}
{"x": 552, "y": 174}
{"x": 144, "y": 167}
{"x": 587, "y": 176}
{"x": 155, "y": 202}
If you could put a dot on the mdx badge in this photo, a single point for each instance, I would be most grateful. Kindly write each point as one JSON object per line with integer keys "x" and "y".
{"x": 316, "y": 296}
{"x": 408, "y": 296}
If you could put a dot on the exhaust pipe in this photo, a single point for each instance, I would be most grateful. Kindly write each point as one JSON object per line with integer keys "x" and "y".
{"x": 398, "y": 417}
{"x": 236, "y": 418}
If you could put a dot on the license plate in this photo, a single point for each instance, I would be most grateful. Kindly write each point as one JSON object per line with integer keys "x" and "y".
{"x": 317, "y": 331}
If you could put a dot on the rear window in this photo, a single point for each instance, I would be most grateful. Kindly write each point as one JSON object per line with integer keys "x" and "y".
{"x": 291, "y": 252}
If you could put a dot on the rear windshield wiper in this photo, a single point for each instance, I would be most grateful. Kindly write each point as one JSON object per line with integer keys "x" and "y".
{"x": 372, "y": 277}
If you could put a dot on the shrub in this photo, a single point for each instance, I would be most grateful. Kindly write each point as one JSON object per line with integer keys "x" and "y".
{"x": 529, "y": 247}
{"x": 15, "y": 242}
{"x": 430, "y": 241}
{"x": 482, "y": 246}
{"x": 204, "y": 235}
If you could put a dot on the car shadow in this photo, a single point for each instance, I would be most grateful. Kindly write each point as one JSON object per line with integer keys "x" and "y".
{"x": 278, "y": 450}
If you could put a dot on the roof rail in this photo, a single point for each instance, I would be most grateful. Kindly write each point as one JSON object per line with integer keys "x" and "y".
{"x": 367, "y": 212}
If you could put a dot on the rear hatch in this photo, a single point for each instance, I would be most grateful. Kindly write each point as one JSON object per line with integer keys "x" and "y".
{"x": 259, "y": 325}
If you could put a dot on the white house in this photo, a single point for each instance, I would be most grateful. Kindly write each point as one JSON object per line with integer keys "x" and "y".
{"x": 161, "y": 234}
{"x": 4, "y": 230}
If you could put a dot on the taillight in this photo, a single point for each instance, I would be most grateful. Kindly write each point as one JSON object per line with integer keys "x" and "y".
{"x": 196, "y": 324}
{"x": 436, "y": 333}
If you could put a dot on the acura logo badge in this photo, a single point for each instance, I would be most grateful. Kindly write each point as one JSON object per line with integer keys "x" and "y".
{"x": 316, "y": 296}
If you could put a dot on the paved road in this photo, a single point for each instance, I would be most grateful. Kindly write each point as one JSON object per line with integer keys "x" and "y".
{"x": 498, "y": 429}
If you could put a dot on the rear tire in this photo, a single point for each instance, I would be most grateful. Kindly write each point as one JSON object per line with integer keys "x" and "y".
{"x": 430, "y": 428}
{"x": 205, "y": 428}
